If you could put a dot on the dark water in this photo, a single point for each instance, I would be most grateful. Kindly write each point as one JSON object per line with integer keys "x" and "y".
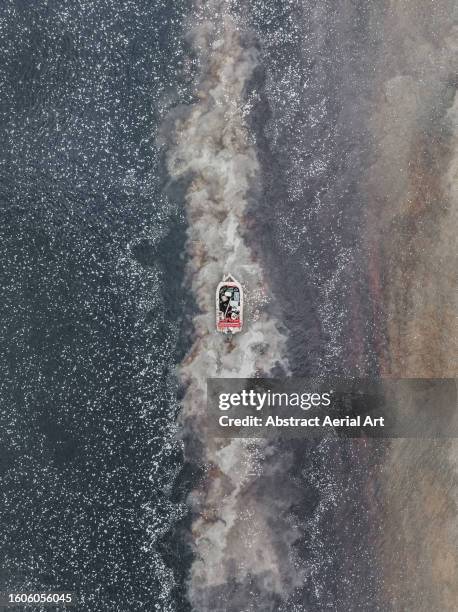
{"x": 91, "y": 301}
{"x": 313, "y": 93}
{"x": 314, "y": 148}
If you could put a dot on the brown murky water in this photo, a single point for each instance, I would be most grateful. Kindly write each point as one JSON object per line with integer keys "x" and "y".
{"x": 411, "y": 231}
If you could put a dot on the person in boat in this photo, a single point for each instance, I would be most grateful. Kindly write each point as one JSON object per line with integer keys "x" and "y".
{"x": 224, "y": 305}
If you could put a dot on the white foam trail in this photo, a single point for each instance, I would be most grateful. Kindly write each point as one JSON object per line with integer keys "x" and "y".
{"x": 232, "y": 531}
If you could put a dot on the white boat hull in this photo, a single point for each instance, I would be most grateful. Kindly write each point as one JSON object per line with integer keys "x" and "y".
{"x": 229, "y": 306}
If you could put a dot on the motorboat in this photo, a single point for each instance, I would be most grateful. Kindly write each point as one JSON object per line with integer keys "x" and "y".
{"x": 229, "y": 305}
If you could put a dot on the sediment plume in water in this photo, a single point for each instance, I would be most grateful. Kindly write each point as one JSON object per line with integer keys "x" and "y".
{"x": 412, "y": 226}
{"x": 234, "y": 509}
{"x": 407, "y": 190}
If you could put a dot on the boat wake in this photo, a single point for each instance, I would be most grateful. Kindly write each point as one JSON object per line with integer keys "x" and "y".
{"x": 232, "y": 531}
